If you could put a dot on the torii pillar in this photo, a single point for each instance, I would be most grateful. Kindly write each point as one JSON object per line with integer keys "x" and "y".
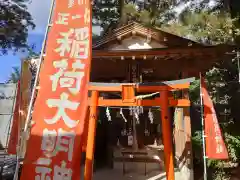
{"x": 167, "y": 136}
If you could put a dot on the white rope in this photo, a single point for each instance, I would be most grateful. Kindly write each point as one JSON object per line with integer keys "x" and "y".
{"x": 146, "y": 95}
{"x": 135, "y": 111}
{"x": 137, "y": 117}
{"x": 108, "y": 114}
{"x": 150, "y": 116}
{"x": 121, "y": 113}
{"x": 115, "y": 107}
{"x": 131, "y": 111}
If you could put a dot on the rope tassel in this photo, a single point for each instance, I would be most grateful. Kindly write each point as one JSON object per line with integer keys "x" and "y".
{"x": 150, "y": 116}
{"x": 137, "y": 118}
{"x": 121, "y": 113}
{"x": 108, "y": 114}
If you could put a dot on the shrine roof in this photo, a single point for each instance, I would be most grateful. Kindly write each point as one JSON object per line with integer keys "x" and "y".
{"x": 136, "y": 29}
{"x": 189, "y": 51}
{"x": 159, "y": 64}
{"x": 160, "y": 55}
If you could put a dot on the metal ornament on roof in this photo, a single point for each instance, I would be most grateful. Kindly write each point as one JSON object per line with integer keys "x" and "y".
{"x": 108, "y": 114}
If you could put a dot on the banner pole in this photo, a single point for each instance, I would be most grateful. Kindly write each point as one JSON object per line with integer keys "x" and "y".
{"x": 203, "y": 132}
{"x": 38, "y": 69}
{"x": 28, "y": 118}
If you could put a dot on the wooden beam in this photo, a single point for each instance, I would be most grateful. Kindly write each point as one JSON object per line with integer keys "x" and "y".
{"x": 162, "y": 88}
{"x": 174, "y": 57}
{"x": 142, "y": 87}
{"x": 179, "y": 103}
{"x": 196, "y": 51}
{"x": 128, "y": 93}
{"x": 155, "y": 102}
{"x": 101, "y": 87}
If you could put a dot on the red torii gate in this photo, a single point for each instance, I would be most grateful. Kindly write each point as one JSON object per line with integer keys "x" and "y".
{"x": 129, "y": 98}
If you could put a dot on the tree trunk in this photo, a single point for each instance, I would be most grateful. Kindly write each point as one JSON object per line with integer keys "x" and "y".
{"x": 121, "y": 11}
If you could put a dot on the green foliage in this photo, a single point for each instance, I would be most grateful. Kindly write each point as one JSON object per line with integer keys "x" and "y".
{"x": 206, "y": 27}
{"x": 152, "y": 13}
{"x": 15, "y": 75}
{"x": 214, "y": 27}
{"x": 233, "y": 143}
{"x": 32, "y": 54}
{"x": 224, "y": 90}
{"x": 197, "y": 146}
{"x": 105, "y": 12}
{"x": 15, "y": 21}
{"x": 194, "y": 92}
{"x": 216, "y": 168}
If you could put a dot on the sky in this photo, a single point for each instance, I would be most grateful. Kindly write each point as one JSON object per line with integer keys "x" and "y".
{"x": 39, "y": 10}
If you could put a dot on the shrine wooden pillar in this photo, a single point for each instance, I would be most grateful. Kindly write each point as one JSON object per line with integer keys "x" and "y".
{"x": 91, "y": 136}
{"x": 167, "y": 136}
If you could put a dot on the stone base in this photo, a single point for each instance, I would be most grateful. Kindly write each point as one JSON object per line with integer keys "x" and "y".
{"x": 134, "y": 174}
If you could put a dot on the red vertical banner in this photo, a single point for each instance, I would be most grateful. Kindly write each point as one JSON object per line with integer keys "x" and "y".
{"x": 55, "y": 143}
{"x": 13, "y": 139}
{"x": 215, "y": 146}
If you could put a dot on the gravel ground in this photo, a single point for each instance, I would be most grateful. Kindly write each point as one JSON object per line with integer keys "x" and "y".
{"x": 116, "y": 175}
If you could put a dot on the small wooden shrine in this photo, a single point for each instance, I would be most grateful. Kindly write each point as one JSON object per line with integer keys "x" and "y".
{"x": 132, "y": 53}
{"x": 156, "y": 55}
